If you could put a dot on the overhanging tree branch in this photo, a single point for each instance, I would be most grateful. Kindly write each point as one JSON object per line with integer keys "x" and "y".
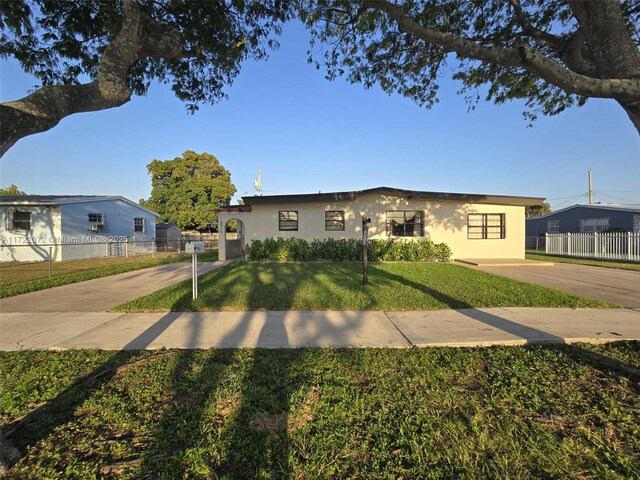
{"x": 139, "y": 37}
{"x": 525, "y": 57}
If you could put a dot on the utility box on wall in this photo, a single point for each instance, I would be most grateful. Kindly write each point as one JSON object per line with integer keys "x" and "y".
{"x": 194, "y": 247}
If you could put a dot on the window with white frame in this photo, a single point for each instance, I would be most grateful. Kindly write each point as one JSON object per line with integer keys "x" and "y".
{"x": 553, "y": 226}
{"x": 590, "y": 225}
{"x": 483, "y": 226}
{"x": 139, "y": 224}
{"x": 20, "y": 220}
{"x": 97, "y": 222}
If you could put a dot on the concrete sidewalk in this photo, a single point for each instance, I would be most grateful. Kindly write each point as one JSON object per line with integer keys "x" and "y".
{"x": 292, "y": 329}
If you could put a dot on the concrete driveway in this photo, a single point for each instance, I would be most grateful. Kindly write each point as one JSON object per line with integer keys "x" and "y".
{"x": 102, "y": 294}
{"x": 610, "y": 284}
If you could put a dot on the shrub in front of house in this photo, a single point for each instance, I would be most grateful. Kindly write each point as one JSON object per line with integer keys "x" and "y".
{"x": 347, "y": 250}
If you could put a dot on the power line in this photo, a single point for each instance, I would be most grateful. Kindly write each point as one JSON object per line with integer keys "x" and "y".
{"x": 619, "y": 191}
{"x": 618, "y": 198}
{"x": 572, "y": 200}
{"x": 570, "y": 196}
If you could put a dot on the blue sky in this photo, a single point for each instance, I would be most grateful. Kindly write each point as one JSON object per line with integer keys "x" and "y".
{"x": 308, "y": 134}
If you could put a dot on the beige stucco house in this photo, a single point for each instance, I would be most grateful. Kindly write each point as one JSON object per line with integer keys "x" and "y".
{"x": 474, "y": 226}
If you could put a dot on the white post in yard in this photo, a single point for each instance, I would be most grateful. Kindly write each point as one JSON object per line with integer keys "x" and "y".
{"x": 628, "y": 245}
{"x": 569, "y": 244}
{"x": 194, "y": 272}
{"x": 194, "y": 248}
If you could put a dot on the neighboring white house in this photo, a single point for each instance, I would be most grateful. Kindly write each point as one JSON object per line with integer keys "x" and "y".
{"x": 70, "y": 227}
{"x": 474, "y": 226}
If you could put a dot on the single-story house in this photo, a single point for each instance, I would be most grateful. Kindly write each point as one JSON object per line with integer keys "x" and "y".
{"x": 474, "y": 226}
{"x": 586, "y": 219}
{"x": 71, "y": 227}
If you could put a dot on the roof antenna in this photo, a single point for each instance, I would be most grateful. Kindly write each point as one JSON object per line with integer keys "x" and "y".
{"x": 258, "y": 183}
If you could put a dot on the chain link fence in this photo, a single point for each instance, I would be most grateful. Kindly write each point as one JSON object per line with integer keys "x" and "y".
{"x": 31, "y": 261}
{"x": 535, "y": 243}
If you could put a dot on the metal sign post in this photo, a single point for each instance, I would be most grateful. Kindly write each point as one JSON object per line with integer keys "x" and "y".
{"x": 194, "y": 248}
{"x": 365, "y": 250}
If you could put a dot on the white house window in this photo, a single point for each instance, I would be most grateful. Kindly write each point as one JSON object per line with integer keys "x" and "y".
{"x": 334, "y": 220}
{"x": 485, "y": 226}
{"x": 139, "y": 224}
{"x": 553, "y": 226}
{"x": 405, "y": 223}
{"x": 97, "y": 222}
{"x": 590, "y": 225}
{"x": 21, "y": 220}
{"x": 288, "y": 220}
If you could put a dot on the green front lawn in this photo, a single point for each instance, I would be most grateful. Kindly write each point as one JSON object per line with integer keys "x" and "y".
{"x": 520, "y": 413}
{"x": 593, "y": 262}
{"x": 338, "y": 286}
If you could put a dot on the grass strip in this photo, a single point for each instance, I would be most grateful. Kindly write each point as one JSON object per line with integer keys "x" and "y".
{"x": 243, "y": 286}
{"x": 593, "y": 262}
{"x": 501, "y": 412}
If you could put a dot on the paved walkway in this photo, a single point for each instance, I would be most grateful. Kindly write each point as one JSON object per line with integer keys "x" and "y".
{"x": 610, "y": 284}
{"x": 468, "y": 327}
{"x": 75, "y": 316}
{"x": 102, "y": 294}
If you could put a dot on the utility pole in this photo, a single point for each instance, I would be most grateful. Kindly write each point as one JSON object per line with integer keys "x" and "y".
{"x": 590, "y": 189}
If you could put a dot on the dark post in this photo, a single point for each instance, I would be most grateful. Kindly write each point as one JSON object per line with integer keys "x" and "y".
{"x": 365, "y": 250}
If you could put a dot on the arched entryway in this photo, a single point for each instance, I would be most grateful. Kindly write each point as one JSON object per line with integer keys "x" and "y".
{"x": 233, "y": 241}
{"x": 230, "y": 244}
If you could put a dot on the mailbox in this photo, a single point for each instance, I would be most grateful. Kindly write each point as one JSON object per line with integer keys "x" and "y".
{"x": 194, "y": 247}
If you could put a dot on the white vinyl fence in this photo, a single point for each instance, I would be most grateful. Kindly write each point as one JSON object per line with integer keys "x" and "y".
{"x": 612, "y": 246}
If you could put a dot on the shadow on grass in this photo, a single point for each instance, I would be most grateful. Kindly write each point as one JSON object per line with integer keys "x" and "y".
{"x": 530, "y": 335}
{"x": 606, "y": 365}
{"x": 242, "y": 434}
{"x": 42, "y": 421}
{"x": 249, "y": 428}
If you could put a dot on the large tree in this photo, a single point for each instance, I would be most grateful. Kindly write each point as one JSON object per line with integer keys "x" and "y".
{"x": 11, "y": 190}
{"x": 551, "y": 53}
{"x": 537, "y": 210}
{"x": 92, "y": 55}
{"x": 188, "y": 189}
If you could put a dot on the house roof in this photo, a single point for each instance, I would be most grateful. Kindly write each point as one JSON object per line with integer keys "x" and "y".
{"x": 48, "y": 200}
{"x": 421, "y": 195}
{"x": 634, "y": 208}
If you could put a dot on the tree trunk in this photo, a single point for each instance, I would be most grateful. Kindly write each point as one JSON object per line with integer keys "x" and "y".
{"x": 43, "y": 109}
{"x": 140, "y": 36}
{"x": 633, "y": 110}
{"x": 611, "y": 50}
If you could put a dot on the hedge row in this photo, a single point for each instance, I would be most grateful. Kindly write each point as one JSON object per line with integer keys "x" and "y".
{"x": 297, "y": 249}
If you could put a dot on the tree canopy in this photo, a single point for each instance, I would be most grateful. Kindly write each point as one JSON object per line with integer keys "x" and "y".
{"x": 537, "y": 210}
{"x": 11, "y": 190}
{"x": 188, "y": 189}
{"x": 551, "y": 53}
{"x": 93, "y": 55}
